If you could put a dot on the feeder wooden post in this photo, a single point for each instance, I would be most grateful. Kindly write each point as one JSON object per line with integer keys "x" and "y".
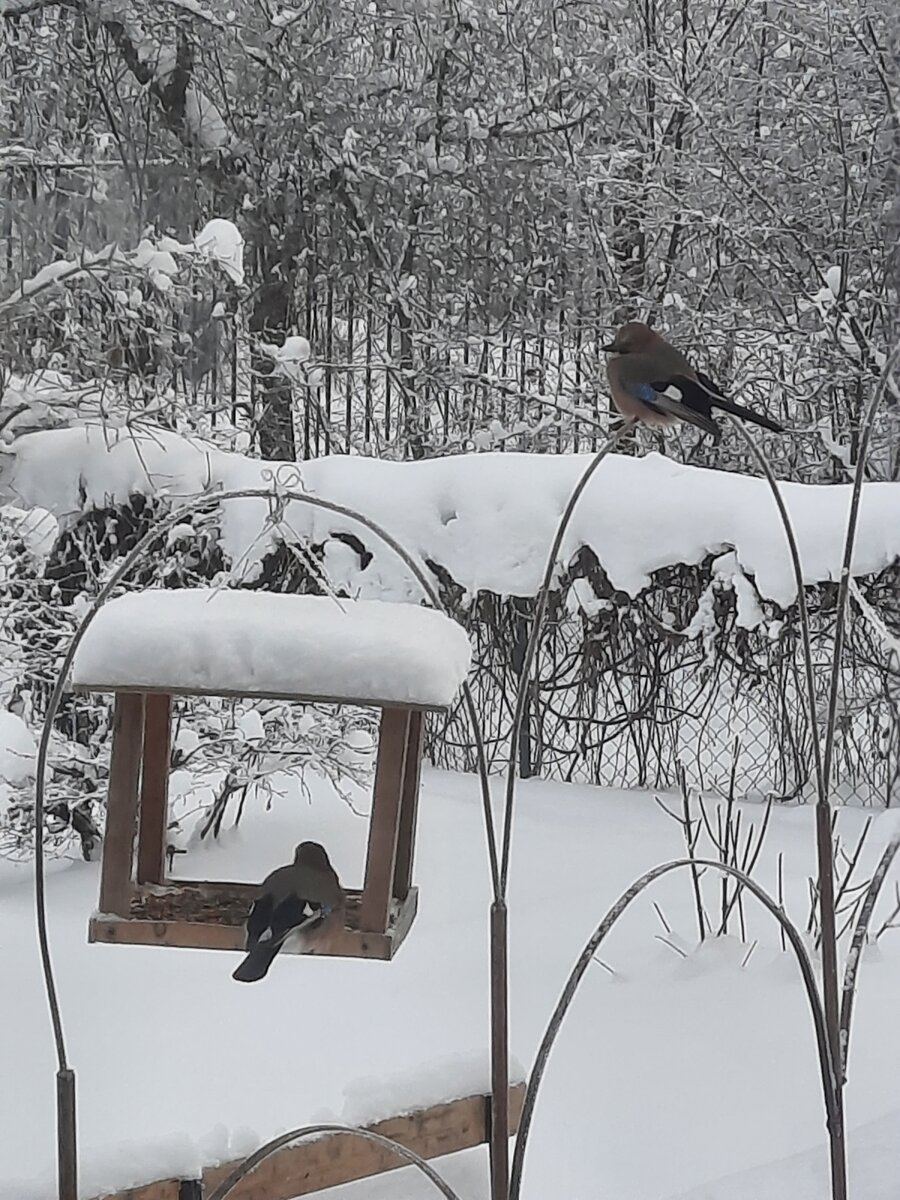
{"x": 121, "y": 813}
{"x": 384, "y": 823}
{"x": 154, "y": 810}
{"x": 409, "y": 806}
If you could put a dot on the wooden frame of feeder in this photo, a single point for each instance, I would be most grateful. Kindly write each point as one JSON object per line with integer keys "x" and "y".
{"x": 140, "y": 905}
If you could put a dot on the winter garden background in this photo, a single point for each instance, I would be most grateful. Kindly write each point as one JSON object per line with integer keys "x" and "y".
{"x": 371, "y": 251}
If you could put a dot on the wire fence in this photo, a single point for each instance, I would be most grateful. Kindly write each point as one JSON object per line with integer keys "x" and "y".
{"x": 451, "y": 381}
{"x": 619, "y": 698}
{"x": 625, "y": 692}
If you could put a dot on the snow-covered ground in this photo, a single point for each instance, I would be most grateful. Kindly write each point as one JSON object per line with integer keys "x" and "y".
{"x": 671, "y": 1074}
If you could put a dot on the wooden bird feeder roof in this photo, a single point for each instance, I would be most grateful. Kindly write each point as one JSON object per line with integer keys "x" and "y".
{"x": 209, "y": 642}
{"x": 151, "y": 646}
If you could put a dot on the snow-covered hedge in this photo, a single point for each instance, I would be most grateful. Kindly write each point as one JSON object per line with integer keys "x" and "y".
{"x": 485, "y": 519}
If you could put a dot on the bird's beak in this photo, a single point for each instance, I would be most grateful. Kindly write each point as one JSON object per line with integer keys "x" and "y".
{"x": 610, "y": 348}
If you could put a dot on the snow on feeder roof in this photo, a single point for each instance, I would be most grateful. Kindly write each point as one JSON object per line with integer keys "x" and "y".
{"x": 152, "y": 646}
{"x": 225, "y": 642}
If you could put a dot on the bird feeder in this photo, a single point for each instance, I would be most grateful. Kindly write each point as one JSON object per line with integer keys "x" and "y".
{"x": 148, "y": 648}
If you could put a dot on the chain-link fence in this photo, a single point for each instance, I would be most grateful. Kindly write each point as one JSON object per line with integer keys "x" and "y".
{"x": 620, "y": 697}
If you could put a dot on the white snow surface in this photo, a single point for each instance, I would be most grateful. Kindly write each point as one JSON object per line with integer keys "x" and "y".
{"x": 689, "y": 1076}
{"x": 488, "y": 518}
{"x": 271, "y": 644}
{"x": 874, "y": 1169}
{"x": 17, "y": 749}
{"x": 37, "y": 529}
{"x": 376, "y": 1097}
{"x": 219, "y": 239}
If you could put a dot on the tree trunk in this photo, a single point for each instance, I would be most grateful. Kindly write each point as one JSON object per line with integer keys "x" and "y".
{"x": 274, "y": 397}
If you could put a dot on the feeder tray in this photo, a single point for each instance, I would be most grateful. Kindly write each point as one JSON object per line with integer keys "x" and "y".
{"x": 195, "y": 914}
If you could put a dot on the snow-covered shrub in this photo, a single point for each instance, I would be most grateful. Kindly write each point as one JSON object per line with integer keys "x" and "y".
{"x": 126, "y": 336}
{"x": 222, "y": 748}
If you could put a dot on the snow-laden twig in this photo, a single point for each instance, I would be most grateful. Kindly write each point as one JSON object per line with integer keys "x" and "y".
{"x": 63, "y": 271}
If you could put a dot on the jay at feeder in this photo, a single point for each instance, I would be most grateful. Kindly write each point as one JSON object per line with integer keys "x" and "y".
{"x": 296, "y": 904}
{"x": 653, "y": 382}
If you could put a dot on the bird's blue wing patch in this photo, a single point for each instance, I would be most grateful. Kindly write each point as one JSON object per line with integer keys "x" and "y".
{"x": 642, "y": 391}
{"x": 647, "y": 393}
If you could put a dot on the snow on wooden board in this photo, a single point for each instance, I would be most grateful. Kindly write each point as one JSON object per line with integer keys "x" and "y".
{"x": 247, "y": 643}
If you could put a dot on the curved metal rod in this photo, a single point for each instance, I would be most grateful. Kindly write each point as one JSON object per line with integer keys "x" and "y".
{"x": 829, "y": 1078}
{"x": 843, "y": 596}
{"x": 260, "y": 1155}
{"x": 534, "y": 638}
{"x": 851, "y": 970}
{"x": 824, "y": 835}
{"x": 160, "y": 526}
{"x": 823, "y": 759}
{"x": 802, "y": 607}
{"x": 485, "y": 786}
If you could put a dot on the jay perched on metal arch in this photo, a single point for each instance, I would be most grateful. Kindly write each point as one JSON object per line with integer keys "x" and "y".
{"x": 297, "y": 903}
{"x": 653, "y": 382}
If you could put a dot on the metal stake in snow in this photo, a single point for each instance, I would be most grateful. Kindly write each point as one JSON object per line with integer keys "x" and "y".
{"x": 499, "y": 944}
{"x": 824, "y": 844}
{"x": 66, "y": 1139}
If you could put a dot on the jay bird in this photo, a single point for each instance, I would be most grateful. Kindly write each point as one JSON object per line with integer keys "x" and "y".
{"x": 296, "y": 902}
{"x": 653, "y": 382}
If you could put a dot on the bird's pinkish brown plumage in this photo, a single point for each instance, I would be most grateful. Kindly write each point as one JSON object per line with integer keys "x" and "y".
{"x": 651, "y": 381}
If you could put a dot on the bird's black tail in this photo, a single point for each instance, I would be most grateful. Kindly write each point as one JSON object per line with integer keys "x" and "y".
{"x": 746, "y": 414}
{"x": 256, "y": 965}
